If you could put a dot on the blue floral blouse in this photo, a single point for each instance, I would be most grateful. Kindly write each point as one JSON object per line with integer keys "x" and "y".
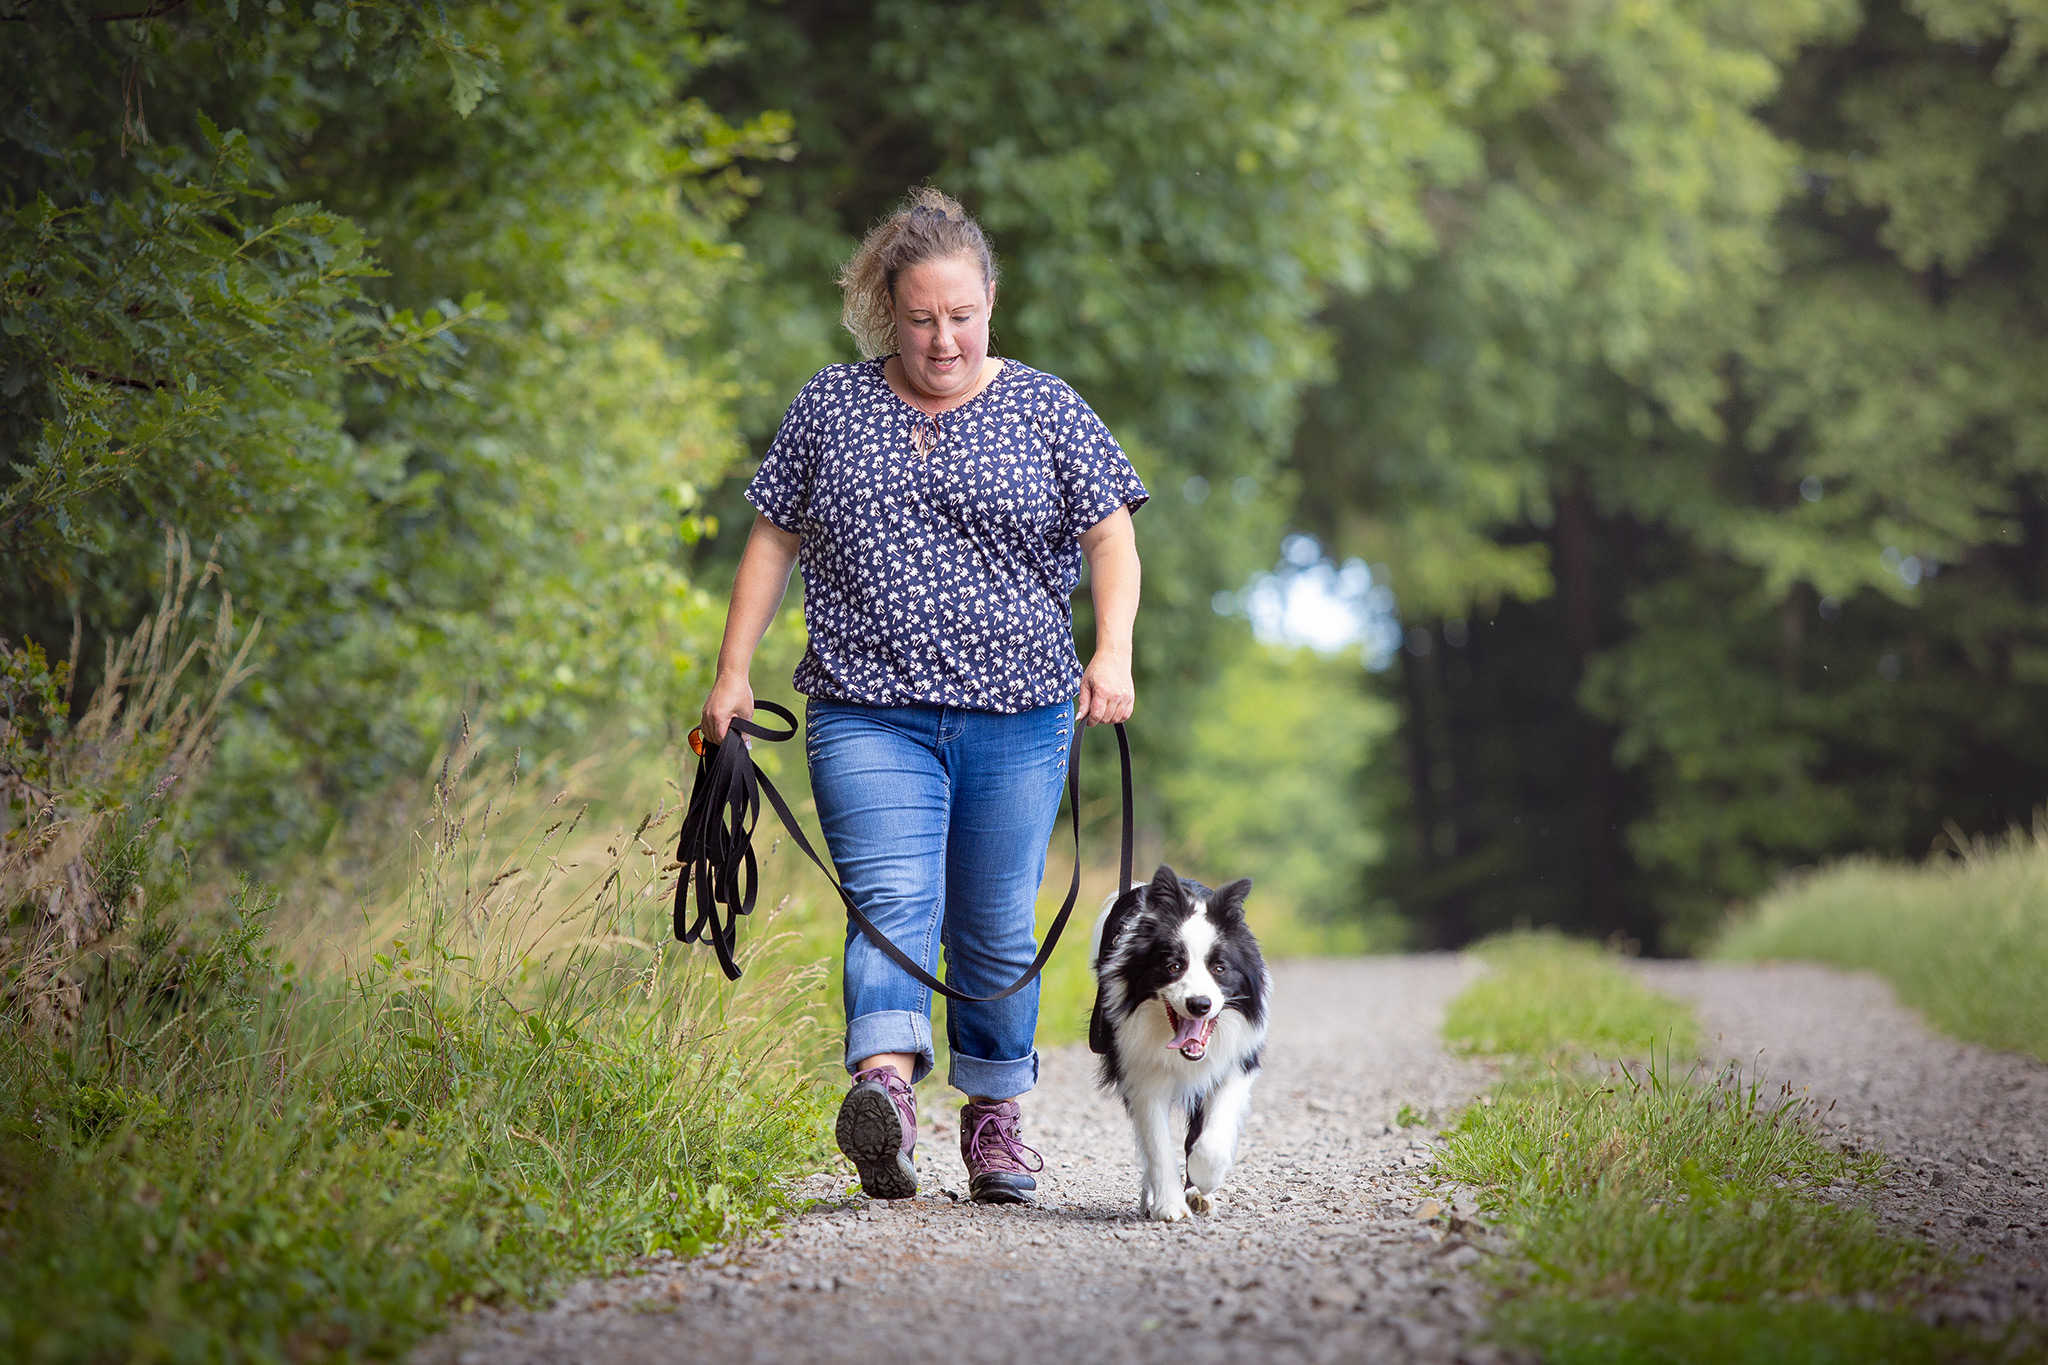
{"x": 939, "y": 554}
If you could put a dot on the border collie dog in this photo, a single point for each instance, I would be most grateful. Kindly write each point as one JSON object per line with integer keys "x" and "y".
{"x": 1180, "y": 1020}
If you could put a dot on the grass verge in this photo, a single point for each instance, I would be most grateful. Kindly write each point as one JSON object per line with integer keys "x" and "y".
{"x": 513, "y": 1082}
{"x": 1964, "y": 940}
{"x": 1549, "y": 996}
{"x": 1660, "y": 1213}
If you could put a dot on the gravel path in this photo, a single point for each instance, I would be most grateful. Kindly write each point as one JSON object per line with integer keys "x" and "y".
{"x": 1327, "y": 1246}
{"x": 1316, "y": 1254}
{"x": 1966, "y": 1130}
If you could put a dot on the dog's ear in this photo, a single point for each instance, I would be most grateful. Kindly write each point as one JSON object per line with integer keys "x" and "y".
{"x": 1229, "y": 900}
{"x": 1164, "y": 891}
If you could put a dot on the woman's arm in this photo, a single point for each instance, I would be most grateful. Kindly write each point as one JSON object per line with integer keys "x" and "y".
{"x": 1107, "y": 694}
{"x": 757, "y": 589}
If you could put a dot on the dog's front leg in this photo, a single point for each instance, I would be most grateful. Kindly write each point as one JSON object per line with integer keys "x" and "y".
{"x": 1215, "y": 1151}
{"x": 1162, "y": 1198}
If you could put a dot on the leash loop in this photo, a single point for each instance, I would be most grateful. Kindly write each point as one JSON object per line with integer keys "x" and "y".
{"x": 716, "y": 850}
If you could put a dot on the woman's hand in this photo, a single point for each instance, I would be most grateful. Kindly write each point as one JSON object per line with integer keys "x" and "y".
{"x": 1107, "y": 696}
{"x": 730, "y": 696}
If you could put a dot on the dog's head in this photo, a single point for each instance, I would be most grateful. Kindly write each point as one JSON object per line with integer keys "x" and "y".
{"x": 1188, "y": 948}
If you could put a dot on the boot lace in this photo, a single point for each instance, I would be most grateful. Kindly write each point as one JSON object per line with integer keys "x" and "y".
{"x": 993, "y": 1143}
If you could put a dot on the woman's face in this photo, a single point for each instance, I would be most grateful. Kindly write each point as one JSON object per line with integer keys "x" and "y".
{"x": 942, "y": 309}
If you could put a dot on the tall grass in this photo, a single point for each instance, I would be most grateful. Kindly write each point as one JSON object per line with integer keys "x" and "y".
{"x": 89, "y": 803}
{"x": 1962, "y": 939}
{"x": 511, "y": 1081}
{"x": 1659, "y": 1211}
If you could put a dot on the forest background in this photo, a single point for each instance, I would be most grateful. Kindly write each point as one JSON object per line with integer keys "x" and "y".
{"x": 1672, "y": 372}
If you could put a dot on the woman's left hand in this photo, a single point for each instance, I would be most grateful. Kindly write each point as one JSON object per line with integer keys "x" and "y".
{"x": 1107, "y": 695}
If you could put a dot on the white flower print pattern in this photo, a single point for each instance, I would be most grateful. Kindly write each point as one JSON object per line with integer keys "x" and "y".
{"x": 941, "y": 576}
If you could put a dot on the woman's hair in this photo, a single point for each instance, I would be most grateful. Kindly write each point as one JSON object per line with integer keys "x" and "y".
{"x": 927, "y": 226}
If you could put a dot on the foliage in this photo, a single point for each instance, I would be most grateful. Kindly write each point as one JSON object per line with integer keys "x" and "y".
{"x": 1964, "y": 940}
{"x": 1173, "y": 190}
{"x": 231, "y": 1160}
{"x": 1660, "y": 1214}
{"x": 1275, "y": 740}
{"x": 1706, "y": 457}
{"x": 425, "y": 499}
{"x": 1549, "y": 996}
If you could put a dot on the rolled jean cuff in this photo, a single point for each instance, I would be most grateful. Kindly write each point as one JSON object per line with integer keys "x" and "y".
{"x": 986, "y": 1080}
{"x": 871, "y": 1035}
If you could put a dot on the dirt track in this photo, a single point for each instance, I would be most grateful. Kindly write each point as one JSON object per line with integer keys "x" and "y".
{"x": 1318, "y": 1254}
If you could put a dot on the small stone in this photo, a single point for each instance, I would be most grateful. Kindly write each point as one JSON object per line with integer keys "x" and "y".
{"x": 1428, "y": 1210}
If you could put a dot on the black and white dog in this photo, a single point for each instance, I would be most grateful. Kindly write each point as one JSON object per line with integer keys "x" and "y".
{"x": 1180, "y": 1020}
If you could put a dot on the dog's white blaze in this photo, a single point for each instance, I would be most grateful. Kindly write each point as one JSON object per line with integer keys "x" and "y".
{"x": 1198, "y": 937}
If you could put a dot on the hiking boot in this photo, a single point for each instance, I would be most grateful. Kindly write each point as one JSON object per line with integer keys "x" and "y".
{"x": 997, "y": 1169}
{"x": 877, "y": 1130}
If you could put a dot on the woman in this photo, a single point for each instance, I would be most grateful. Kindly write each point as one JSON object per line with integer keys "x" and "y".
{"x": 941, "y": 502}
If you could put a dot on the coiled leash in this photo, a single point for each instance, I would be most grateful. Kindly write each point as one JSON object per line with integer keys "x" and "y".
{"x": 717, "y": 851}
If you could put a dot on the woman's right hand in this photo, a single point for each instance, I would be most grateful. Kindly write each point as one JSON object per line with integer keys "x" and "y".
{"x": 730, "y": 696}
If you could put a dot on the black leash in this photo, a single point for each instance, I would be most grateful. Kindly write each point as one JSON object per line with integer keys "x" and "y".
{"x": 717, "y": 853}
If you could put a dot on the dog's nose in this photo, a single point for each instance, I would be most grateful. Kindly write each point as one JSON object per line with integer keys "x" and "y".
{"x": 1198, "y": 1006}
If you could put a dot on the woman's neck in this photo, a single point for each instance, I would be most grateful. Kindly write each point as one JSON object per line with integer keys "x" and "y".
{"x": 892, "y": 371}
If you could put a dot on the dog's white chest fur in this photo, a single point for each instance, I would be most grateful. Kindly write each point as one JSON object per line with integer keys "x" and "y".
{"x": 1183, "y": 992}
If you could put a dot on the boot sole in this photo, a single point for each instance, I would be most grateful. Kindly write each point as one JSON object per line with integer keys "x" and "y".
{"x": 870, "y": 1133}
{"x": 1000, "y": 1188}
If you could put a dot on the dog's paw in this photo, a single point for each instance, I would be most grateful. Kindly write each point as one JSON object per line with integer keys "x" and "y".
{"x": 1198, "y": 1202}
{"x": 1208, "y": 1166}
{"x": 1164, "y": 1206}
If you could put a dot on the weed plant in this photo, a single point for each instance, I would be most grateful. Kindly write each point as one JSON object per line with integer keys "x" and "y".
{"x": 1963, "y": 939}
{"x": 1660, "y": 1211}
{"x": 228, "y": 1159}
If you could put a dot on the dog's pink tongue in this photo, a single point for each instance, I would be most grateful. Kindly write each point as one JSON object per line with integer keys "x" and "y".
{"x": 1191, "y": 1036}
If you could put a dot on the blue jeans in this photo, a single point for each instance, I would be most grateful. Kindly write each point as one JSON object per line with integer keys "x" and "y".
{"x": 937, "y": 819}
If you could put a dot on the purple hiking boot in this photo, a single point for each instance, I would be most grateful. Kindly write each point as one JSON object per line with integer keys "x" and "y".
{"x": 997, "y": 1169}
{"x": 877, "y": 1130}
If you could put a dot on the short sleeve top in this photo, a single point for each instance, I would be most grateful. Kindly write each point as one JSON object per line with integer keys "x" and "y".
{"x": 940, "y": 554}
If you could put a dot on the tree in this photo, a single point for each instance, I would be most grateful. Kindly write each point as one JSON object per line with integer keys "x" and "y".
{"x": 1722, "y": 358}
{"x": 425, "y": 500}
{"x": 1173, "y": 191}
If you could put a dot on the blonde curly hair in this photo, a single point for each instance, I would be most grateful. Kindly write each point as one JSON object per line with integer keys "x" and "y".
{"x": 926, "y": 226}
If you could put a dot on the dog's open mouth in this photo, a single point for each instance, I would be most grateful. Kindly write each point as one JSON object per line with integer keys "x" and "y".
{"x": 1190, "y": 1036}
